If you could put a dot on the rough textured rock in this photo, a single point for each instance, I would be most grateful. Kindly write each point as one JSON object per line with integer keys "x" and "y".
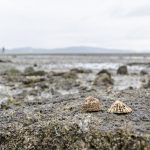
{"x": 104, "y": 71}
{"x": 57, "y": 123}
{"x": 103, "y": 79}
{"x": 122, "y": 70}
{"x": 29, "y": 71}
{"x": 147, "y": 84}
{"x": 12, "y": 72}
{"x": 80, "y": 70}
{"x": 143, "y": 72}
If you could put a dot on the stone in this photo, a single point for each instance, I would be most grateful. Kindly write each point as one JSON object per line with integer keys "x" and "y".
{"x": 81, "y": 70}
{"x": 103, "y": 79}
{"x": 143, "y": 72}
{"x": 104, "y": 71}
{"x": 122, "y": 70}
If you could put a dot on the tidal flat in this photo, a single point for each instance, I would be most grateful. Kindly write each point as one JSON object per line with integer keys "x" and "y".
{"x": 41, "y": 98}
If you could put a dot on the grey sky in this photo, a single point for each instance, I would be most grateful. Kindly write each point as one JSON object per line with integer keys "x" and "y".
{"x": 121, "y": 24}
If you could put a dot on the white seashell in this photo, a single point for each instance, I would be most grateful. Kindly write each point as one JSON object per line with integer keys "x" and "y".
{"x": 119, "y": 107}
{"x": 91, "y": 104}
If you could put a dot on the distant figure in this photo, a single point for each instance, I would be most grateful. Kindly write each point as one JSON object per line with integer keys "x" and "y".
{"x": 3, "y": 50}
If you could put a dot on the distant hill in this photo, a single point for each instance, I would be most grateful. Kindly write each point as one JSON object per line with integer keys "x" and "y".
{"x": 69, "y": 50}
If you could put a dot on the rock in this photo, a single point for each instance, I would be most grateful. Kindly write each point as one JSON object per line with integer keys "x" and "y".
{"x": 5, "y": 61}
{"x": 32, "y": 79}
{"x": 77, "y": 70}
{"x": 42, "y": 85}
{"x": 13, "y": 75}
{"x": 130, "y": 87}
{"x": 103, "y": 78}
{"x": 143, "y": 72}
{"x": 57, "y": 123}
{"x": 10, "y": 102}
{"x": 52, "y": 73}
{"x": 143, "y": 80}
{"x": 122, "y": 70}
{"x": 71, "y": 75}
{"x": 104, "y": 71}
{"x": 29, "y": 71}
{"x": 91, "y": 104}
{"x": 12, "y": 72}
{"x": 35, "y": 65}
{"x": 66, "y": 84}
{"x": 147, "y": 84}
{"x": 39, "y": 73}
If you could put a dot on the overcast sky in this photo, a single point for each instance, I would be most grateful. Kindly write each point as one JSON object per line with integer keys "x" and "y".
{"x": 119, "y": 24}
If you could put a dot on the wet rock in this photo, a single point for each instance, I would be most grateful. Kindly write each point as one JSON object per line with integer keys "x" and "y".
{"x": 4, "y": 106}
{"x": 66, "y": 84}
{"x": 33, "y": 79}
{"x": 103, "y": 78}
{"x": 147, "y": 84}
{"x": 104, "y": 71}
{"x": 70, "y": 74}
{"x": 39, "y": 73}
{"x": 29, "y": 71}
{"x": 52, "y": 73}
{"x": 10, "y": 102}
{"x": 80, "y": 70}
{"x": 122, "y": 70}
{"x": 63, "y": 80}
{"x": 5, "y": 61}
{"x": 66, "y": 75}
{"x": 139, "y": 64}
{"x": 130, "y": 87}
{"x": 143, "y": 72}
{"x": 12, "y": 72}
{"x": 35, "y": 65}
{"x": 12, "y": 75}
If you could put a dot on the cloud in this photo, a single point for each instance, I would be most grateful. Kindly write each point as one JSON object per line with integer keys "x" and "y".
{"x": 141, "y": 11}
{"x": 50, "y": 24}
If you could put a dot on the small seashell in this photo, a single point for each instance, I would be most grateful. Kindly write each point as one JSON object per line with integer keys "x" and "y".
{"x": 91, "y": 104}
{"x": 119, "y": 107}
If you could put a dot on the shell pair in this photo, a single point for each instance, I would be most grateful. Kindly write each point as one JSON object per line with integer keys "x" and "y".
{"x": 92, "y": 104}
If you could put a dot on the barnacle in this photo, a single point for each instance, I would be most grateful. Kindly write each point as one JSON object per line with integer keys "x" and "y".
{"x": 119, "y": 107}
{"x": 91, "y": 104}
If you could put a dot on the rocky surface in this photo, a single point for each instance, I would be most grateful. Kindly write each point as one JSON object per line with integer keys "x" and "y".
{"x": 43, "y": 110}
{"x": 58, "y": 123}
